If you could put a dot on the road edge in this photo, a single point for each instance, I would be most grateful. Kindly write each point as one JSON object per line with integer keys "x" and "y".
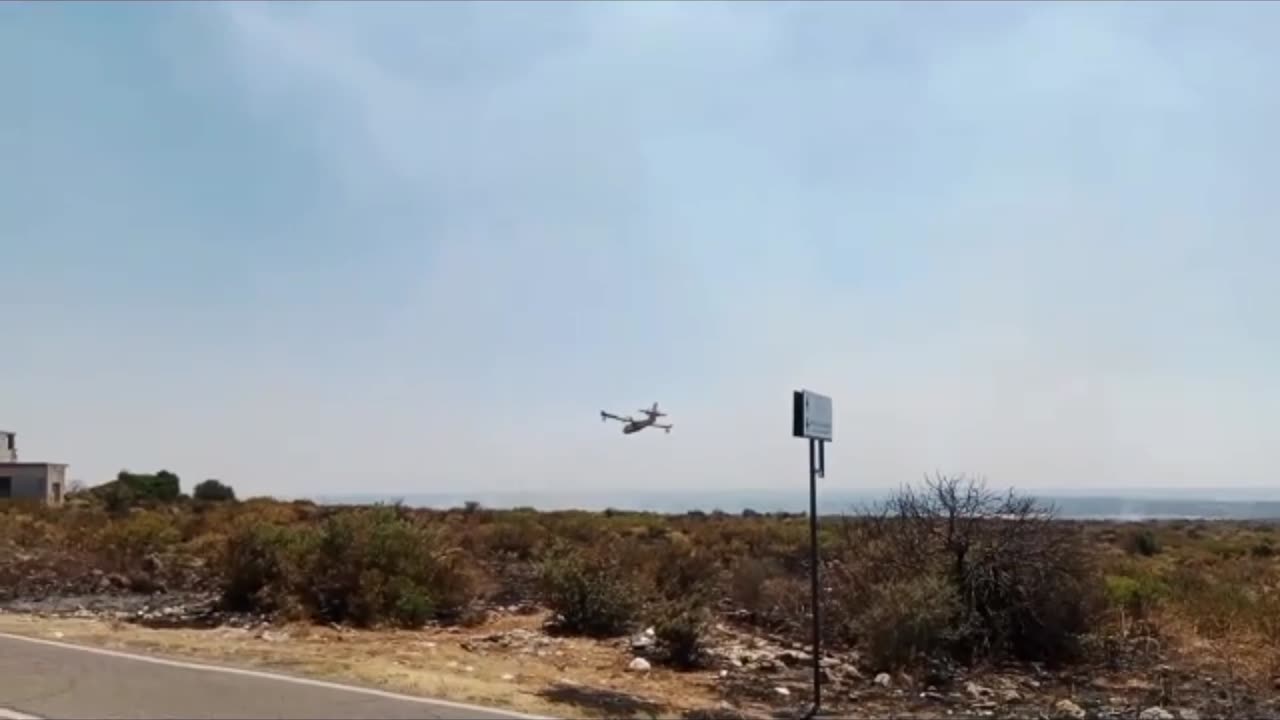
{"x": 266, "y": 675}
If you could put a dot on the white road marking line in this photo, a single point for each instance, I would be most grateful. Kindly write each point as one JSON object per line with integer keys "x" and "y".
{"x": 8, "y": 714}
{"x": 261, "y": 675}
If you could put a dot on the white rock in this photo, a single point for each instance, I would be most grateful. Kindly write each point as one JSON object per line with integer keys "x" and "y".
{"x": 883, "y": 680}
{"x": 1068, "y": 709}
{"x": 1155, "y": 713}
{"x": 639, "y": 665}
{"x": 782, "y": 691}
{"x": 508, "y": 677}
{"x": 650, "y": 632}
{"x": 57, "y": 634}
{"x": 1188, "y": 714}
{"x": 975, "y": 690}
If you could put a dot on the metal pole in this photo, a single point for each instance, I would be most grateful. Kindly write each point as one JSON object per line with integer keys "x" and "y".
{"x": 813, "y": 575}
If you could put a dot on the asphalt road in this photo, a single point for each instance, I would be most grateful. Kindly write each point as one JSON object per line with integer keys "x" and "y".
{"x": 44, "y": 679}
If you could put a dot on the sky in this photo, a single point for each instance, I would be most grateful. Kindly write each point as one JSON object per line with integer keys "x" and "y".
{"x": 335, "y": 247}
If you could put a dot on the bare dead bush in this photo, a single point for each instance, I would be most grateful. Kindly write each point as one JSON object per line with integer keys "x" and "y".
{"x": 1021, "y": 586}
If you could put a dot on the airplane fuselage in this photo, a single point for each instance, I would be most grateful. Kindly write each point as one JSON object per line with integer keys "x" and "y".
{"x": 636, "y": 426}
{"x": 632, "y": 425}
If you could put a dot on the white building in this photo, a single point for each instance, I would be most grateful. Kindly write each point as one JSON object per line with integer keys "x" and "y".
{"x": 35, "y": 481}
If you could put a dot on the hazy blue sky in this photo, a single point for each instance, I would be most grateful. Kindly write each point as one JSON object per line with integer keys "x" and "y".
{"x": 417, "y": 247}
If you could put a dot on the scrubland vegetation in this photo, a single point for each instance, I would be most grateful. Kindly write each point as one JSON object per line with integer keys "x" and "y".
{"x": 946, "y": 571}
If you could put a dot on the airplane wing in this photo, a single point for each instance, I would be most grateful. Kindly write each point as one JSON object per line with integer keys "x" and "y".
{"x": 610, "y": 416}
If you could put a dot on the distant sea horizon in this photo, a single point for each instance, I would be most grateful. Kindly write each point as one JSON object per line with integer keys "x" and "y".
{"x": 1242, "y": 504}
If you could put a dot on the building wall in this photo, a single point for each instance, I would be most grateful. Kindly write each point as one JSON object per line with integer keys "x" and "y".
{"x": 57, "y": 484}
{"x": 35, "y": 481}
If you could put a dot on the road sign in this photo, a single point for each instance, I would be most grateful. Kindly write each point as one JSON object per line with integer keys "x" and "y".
{"x": 811, "y": 416}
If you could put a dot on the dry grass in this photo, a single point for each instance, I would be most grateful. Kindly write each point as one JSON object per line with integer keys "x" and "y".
{"x": 1210, "y": 594}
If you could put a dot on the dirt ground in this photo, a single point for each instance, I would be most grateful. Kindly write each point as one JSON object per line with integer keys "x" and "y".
{"x": 558, "y": 677}
{"x": 511, "y": 662}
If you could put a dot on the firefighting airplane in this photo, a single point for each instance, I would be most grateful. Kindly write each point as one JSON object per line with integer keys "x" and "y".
{"x": 632, "y": 425}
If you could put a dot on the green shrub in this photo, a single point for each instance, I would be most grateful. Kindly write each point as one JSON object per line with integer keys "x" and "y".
{"x": 686, "y": 580}
{"x": 905, "y": 621}
{"x": 1263, "y": 549}
{"x": 130, "y": 490}
{"x": 590, "y": 591}
{"x": 264, "y": 567}
{"x": 116, "y": 498}
{"x": 213, "y": 491}
{"x": 680, "y": 629}
{"x": 1135, "y": 596}
{"x": 410, "y": 604}
{"x": 375, "y": 564}
{"x": 163, "y": 486}
{"x": 1144, "y": 543}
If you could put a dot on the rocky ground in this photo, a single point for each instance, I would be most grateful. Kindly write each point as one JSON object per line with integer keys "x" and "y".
{"x": 513, "y": 660}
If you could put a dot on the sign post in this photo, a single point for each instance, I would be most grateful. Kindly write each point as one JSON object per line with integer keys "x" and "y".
{"x": 811, "y": 419}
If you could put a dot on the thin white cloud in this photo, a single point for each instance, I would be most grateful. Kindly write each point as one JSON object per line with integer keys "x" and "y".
{"x": 1032, "y": 337}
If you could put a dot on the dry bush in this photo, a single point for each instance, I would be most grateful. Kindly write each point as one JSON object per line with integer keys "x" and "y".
{"x": 29, "y": 525}
{"x": 686, "y": 581}
{"x": 681, "y": 569}
{"x": 126, "y": 541}
{"x": 364, "y": 566}
{"x": 786, "y": 601}
{"x": 577, "y": 527}
{"x": 943, "y": 568}
{"x": 747, "y": 586}
{"x": 519, "y": 538}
